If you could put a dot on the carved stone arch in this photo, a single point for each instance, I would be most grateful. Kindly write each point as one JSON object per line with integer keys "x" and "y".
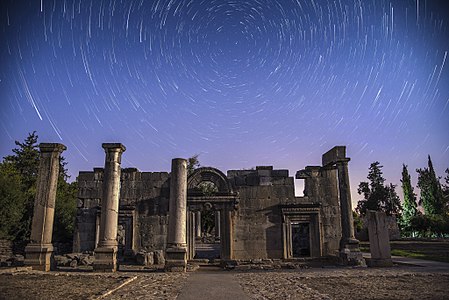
{"x": 213, "y": 175}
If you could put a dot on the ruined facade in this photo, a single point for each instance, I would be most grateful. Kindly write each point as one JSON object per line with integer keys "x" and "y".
{"x": 256, "y": 212}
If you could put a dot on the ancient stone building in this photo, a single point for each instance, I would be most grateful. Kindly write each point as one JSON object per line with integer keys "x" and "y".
{"x": 256, "y": 212}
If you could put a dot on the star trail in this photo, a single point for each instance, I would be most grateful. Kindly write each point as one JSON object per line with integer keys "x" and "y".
{"x": 242, "y": 83}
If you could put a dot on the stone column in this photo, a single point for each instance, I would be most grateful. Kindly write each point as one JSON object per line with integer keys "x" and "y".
{"x": 39, "y": 252}
{"x": 190, "y": 235}
{"x": 176, "y": 252}
{"x": 106, "y": 251}
{"x": 349, "y": 245}
{"x": 347, "y": 222}
{"x": 217, "y": 225}
{"x": 227, "y": 243}
{"x": 198, "y": 224}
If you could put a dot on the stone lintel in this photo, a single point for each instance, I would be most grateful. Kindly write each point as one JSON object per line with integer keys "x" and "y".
{"x": 113, "y": 147}
{"x": 336, "y": 154}
{"x": 51, "y": 147}
{"x": 307, "y": 172}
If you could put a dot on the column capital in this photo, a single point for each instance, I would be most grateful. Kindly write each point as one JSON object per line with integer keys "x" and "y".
{"x": 178, "y": 160}
{"x": 342, "y": 161}
{"x": 113, "y": 147}
{"x": 51, "y": 147}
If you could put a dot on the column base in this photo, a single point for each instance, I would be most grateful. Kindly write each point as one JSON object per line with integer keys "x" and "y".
{"x": 175, "y": 260}
{"x": 105, "y": 259}
{"x": 39, "y": 257}
{"x": 350, "y": 253}
{"x": 379, "y": 262}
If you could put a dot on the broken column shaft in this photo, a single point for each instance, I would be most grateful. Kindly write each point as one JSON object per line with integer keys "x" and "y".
{"x": 106, "y": 251}
{"x": 40, "y": 249}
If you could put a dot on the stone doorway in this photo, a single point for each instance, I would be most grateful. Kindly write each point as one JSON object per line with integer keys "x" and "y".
{"x": 217, "y": 202}
{"x": 207, "y": 235}
{"x": 301, "y": 239}
{"x": 301, "y": 230}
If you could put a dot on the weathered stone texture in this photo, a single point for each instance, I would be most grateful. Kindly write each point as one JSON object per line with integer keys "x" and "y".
{"x": 378, "y": 240}
{"x": 145, "y": 192}
{"x": 257, "y": 226}
{"x": 258, "y": 210}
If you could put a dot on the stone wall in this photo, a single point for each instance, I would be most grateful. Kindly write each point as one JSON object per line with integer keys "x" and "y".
{"x": 258, "y": 222}
{"x": 6, "y": 248}
{"x": 143, "y": 209}
{"x": 320, "y": 186}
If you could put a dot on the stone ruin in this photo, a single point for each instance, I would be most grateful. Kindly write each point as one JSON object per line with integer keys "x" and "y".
{"x": 123, "y": 212}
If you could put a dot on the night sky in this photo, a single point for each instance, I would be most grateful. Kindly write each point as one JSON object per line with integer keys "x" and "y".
{"x": 242, "y": 83}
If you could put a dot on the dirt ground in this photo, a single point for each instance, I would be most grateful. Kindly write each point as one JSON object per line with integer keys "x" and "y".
{"x": 280, "y": 285}
{"x": 315, "y": 283}
{"x": 55, "y": 285}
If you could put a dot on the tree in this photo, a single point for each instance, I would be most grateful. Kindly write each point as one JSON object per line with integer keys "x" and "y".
{"x": 192, "y": 164}
{"x": 25, "y": 161}
{"x": 446, "y": 190}
{"x": 12, "y": 201}
{"x": 378, "y": 196}
{"x": 18, "y": 175}
{"x": 432, "y": 198}
{"x": 410, "y": 207}
{"x": 65, "y": 211}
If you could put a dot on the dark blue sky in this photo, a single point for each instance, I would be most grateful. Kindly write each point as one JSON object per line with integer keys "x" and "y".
{"x": 242, "y": 83}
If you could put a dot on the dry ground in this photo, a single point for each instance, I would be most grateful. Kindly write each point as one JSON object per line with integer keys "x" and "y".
{"x": 354, "y": 284}
{"x": 316, "y": 283}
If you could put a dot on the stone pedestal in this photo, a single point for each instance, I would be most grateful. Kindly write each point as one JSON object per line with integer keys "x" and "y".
{"x": 379, "y": 240}
{"x": 39, "y": 257}
{"x": 176, "y": 252}
{"x": 39, "y": 252}
{"x": 106, "y": 251}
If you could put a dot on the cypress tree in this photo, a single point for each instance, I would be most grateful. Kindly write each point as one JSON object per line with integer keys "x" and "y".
{"x": 409, "y": 207}
{"x": 432, "y": 198}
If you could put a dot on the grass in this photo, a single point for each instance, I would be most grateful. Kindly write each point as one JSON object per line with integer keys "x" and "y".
{"x": 419, "y": 255}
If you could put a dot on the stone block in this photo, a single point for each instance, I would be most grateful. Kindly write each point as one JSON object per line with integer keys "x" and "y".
{"x": 175, "y": 260}
{"x": 278, "y": 180}
{"x": 379, "y": 239}
{"x": 145, "y": 258}
{"x": 265, "y": 181}
{"x": 252, "y": 180}
{"x": 39, "y": 256}
{"x": 159, "y": 258}
{"x": 263, "y": 172}
{"x": 62, "y": 261}
{"x": 289, "y": 181}
{"x": 239, "y": 181}
{"x": 105, "y": 259}
{"x": 279, "y": 173}
{"x": 270, "y": 168}
{"x": 334, "y": 155}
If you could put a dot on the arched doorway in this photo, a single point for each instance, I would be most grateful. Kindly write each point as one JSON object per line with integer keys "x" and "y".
{"x": 209, "y": 191}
